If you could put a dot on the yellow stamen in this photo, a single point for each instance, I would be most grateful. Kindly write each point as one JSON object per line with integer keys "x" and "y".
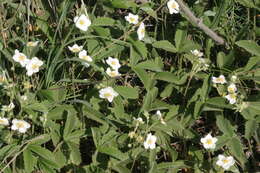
{"x": 20, "y": 125}
{"x": 209, "y": 142}
{"x": 107, "y": 95}
{"x": 35, "y": 66}
{"x": 81, "y": 22}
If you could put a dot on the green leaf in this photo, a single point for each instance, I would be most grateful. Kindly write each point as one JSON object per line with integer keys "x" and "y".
{"x": 47, "y": 155}
{"x": 172, "y": 78}
{"x": 250, "y": 128}
{"x": 236, "y": 149}
{"x": 252, "y": 63}
{"x": 146, "y": 78}
{"x": 75, "y": 155}
{"x": 165, "y": 45}
{"x": 70, "y": 125}
{"x": 172, "y": 165}
{"x": 103, "y": 21}
{"x": 225, "y": 126}
{"x": 113, "y": 152}
{"x": 180, "y": 35}
{"x": 29, "y": 160}
{"x": 151, "y": 65}
{"x": 127, "y": 92}
{"x": 54, "y": 93}
{"x": 250, "y": 46}
{"x": 218, "y": 102}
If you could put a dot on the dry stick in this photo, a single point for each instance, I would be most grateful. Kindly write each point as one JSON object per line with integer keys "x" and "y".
{"x": 198, "y": 22}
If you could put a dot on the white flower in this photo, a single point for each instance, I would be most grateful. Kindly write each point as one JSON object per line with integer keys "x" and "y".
{"x": 139, "y": 120}
{"x": 232, "y": 98}
{"x": 209, "y": 142}
{"x": 113, "y": 62}
{"x": 159, "y": 114}
{"x": 221, "y": 79}
{"x": 33, "y": 66}
{"x": 112, "y": 73}
{"x": 82, "y": 22}
{"x": 2, "y": 79}
{"x": 232, "y": 88}
{"x": 83, "y": 55}
{"x": 141, "y": 31}
{"x": 173, "y": 6}
{"x": 75, "y": 48}
{"x": 225, "y": 162}
{"x": 4, "y": 121}
{"x": 131, "y": 18}
{"x": 197, "y": 53}
{"x": 32, "y": 43}
{"x": 150, "y": 141}
{"x": 8, "y": 108}
{"x": 233, "y": 78}
{"x": 24, "y": 98}
{"x": 108, "y": 93}
{"x": 20, "y": 57}
{"x": 20, "y": 125}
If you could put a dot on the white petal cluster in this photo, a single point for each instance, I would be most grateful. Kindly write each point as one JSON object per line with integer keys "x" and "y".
{"x": 150, "y": 142}
{"x": 219, "y": 80}
{"x": 33, "y": 66}
{"x": 20, "y": 125}
{"x": 138, "y": 120}
{"x": 197, "y": 53}
{"x": 4, "y": 121}
{"x": 8, "y": 108}
{"x": 75, "y": 48}
{"x": 159, "y": 114}
{"x": 113, "y": 63}
{"x": 209, "y": 142}
{"x": 232, "y": 98}
{"x": 82, "y": 22}
{"x": 141, "y": 31}
{"x": 232, "y": 88}
{"x": 20, "y": 57}
{"x": 108, "y": 93}
{"x": 112, "y": 73}
{"x": 83, "y": 55}
{"x": 2, "y": 79}
{"x": 132, "y": 19}
{"x": 225, "y": 162}
{"x": 32, "y": 43}
{"x": 173, "y": 7}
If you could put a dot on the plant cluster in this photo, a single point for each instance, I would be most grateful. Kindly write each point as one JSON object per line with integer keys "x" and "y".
{"x": 129, "y": 86}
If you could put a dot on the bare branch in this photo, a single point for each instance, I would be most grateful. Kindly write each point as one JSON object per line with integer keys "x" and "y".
{"x": 198, "y": 22}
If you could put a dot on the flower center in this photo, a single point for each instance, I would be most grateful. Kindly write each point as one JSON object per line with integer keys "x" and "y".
{"x": 20, "y": 125}
{"x": 174, "y": 5}
{"x": 81, "y": 22}
{"x": 2, "y": 121}
{"x": 225, "y": 161}
{"x": 35, "y": 66}
{"x": 112, "y": 73}
{"x": 2, "y": 79}
{"x": 132, "y": 19}
{"x": 142, "y": 31}
{"x": 107, "y": 95}
{"x": 113, "y": 62}
{"x": 150, "y": 141}
{"x": 209, "y": 142}
{"x": 21, "y": 58}
{"x": 219, "y": 80}
{"x": 75, "y": 49}
{"x": 232, "y": 96}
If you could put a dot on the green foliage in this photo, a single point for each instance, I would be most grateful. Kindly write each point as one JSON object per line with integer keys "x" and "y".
{"x": 163, "y": 88}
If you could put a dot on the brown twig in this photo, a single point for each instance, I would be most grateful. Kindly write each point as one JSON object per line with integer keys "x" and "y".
{"x": 198, "y": 22}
